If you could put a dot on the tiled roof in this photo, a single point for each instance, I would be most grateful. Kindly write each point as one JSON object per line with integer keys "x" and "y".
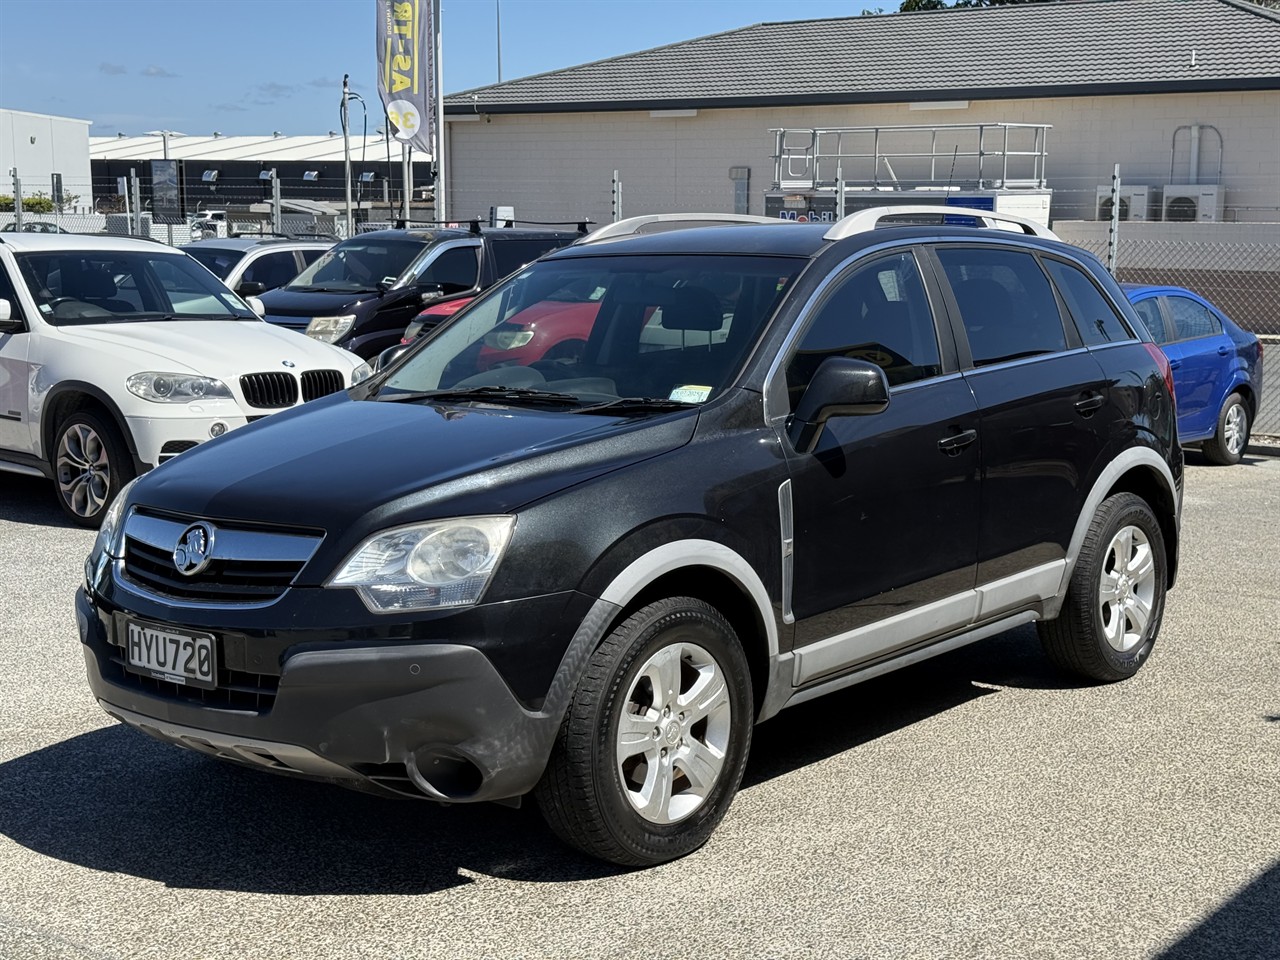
{"x": 1080, "y": 48}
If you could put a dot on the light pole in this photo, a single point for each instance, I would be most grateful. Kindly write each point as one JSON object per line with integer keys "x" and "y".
{"x": 164, "y": 136}
{"x": 346, "y": 151}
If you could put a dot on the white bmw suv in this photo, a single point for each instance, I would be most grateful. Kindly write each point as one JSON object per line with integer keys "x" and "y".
{"x": 118, "y": 354}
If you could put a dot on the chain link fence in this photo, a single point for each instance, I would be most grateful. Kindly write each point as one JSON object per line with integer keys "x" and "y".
{"x": 1242, "y": 279}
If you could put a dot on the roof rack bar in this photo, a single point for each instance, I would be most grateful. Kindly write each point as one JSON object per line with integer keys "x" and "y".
{"x": 864, "y": 220}
{"x": 475, "y": 223}
{"x": 670, "y": 221}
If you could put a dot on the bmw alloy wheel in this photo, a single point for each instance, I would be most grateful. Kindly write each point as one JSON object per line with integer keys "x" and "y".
{"x": 84, "y": 470}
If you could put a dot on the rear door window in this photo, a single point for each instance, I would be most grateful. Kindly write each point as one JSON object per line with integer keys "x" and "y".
{"x": 1006, "y": 303}
{"x": 1191, "y": 319}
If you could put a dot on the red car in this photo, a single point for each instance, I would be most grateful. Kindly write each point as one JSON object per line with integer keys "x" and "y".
{"x": 551, "y": 330}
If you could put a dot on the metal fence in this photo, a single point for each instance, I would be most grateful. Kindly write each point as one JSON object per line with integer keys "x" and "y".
{"x": 1268, "y": 419}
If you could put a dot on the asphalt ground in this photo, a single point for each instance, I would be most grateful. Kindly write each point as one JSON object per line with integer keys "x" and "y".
{"x": 979, "y": 805}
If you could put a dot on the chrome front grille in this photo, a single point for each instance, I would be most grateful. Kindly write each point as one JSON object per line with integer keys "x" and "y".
{"x": 246, "y": 564}
{"x": 320, "y": 383}
{"x": 266, "y": 390}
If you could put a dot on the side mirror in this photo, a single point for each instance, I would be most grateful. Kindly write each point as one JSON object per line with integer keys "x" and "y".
{"x": 388, "y": 357}
{"x": 256, "y": 305}
{"x": 6, "y": 311}
{"x": 251, "y": 288}
{"x": 840, "y": 388}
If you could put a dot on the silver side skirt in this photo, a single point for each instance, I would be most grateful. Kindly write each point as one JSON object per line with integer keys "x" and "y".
{"x": 914, "y": 656}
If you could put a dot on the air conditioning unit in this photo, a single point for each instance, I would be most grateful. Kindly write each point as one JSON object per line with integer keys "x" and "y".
{"x": 1134, "y": 202}
{"x": 1193, "y": 202}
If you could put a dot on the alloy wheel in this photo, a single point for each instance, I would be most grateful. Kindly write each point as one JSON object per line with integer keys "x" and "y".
{"x": 1233, "y": 429}
{"x": 1127, "y": 588}
{"x": 673, "y": 734}
{"x": 84, "y": 470}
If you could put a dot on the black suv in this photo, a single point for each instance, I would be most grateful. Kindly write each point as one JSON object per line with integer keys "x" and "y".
{"x": 364, "y": 292}
{"x": 788, "y": 458}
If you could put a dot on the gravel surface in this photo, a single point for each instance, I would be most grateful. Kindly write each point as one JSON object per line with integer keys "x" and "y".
{"x": 979, "y": 805}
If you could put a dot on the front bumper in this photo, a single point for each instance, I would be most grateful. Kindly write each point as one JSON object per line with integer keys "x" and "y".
{"x": 433, "y": 720}
{"x": 158, "y": 439}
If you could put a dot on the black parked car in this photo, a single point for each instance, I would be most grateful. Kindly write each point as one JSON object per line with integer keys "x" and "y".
{"x": 364, "y": 292}
{"x": 788, "y": 458}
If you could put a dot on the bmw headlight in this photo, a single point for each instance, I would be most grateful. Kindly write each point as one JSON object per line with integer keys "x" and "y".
{"x": 361, "y": 373}
{"x": 162, "y": 387}
{"x": 330, "y": 329}
{"x": 426, "y": 566}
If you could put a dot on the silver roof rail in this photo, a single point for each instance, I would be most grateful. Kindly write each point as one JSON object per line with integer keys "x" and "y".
{"x": 869, "y": 219}
{"x": 662, "y": 222}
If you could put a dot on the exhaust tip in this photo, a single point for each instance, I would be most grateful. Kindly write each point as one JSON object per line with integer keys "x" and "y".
{"x": 444, "y": 774}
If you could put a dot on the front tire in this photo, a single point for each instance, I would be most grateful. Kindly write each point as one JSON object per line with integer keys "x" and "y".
{"x": 1115, "y": 601}
{"x": 1227, "y": 444}
{"x": 90, "y": 466}
{"x": 653, "y": 746}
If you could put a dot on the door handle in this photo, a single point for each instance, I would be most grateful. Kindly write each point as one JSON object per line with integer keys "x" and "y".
{"x": 1223, "y": 351}
{"x": 1089, "y": 404}
{"x": 1175, "y": 364}
{"x": 953, "y": 444}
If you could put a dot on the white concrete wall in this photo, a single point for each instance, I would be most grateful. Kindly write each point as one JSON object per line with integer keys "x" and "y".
{"x": 39, "y": 146}
{"x": 559, "y": 166}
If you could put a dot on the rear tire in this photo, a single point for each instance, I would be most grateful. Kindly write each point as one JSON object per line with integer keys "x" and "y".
{"x": 1228, "y": 443}
{"x": 1115, "y": 601}
{"x": 91, "y": 464}
{"x": 653, "y": 746}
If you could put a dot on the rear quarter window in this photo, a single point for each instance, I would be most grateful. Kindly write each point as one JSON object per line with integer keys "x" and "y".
{"x": 1096, "y": 320}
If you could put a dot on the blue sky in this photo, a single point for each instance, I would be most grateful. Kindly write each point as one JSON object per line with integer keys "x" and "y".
{"x": 255, "y": 66}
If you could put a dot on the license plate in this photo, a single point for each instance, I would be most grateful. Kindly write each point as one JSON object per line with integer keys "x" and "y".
{"x": 186, "y": 658}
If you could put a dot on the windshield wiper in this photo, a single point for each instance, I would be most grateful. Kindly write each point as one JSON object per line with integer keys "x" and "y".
{"x": 489, "y": 394}
{"x": 320, "y": 289}
{"x": 625, "y": 405}
{"x": 196, "y": 316}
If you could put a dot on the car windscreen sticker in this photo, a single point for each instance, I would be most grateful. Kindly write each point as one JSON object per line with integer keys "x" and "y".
{"x": 690, "y": 394}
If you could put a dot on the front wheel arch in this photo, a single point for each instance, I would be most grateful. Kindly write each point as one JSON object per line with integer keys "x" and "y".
{"x": 72, "y": 395}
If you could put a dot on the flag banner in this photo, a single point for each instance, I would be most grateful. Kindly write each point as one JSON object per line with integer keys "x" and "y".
{"x": 407, "y": 70}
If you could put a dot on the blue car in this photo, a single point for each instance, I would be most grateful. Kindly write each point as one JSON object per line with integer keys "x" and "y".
{"x": 1217, "y": 368}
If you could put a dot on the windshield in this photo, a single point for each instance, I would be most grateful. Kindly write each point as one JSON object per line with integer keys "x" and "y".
{"x": 667, "y": 330}
{"x": 358, "y": 264}
{"x": 218, "y": 262}
{"x": 95, "y": 286}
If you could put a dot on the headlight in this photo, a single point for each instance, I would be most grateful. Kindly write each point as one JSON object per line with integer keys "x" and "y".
{"x": 110, "y": 534}
{"x": 426, "y": 566}
{"x": 361, "y": 373}
{"x": 330, "y": 329}
{"x": 175, "y": 387}
{"x": 508, "y": 339}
